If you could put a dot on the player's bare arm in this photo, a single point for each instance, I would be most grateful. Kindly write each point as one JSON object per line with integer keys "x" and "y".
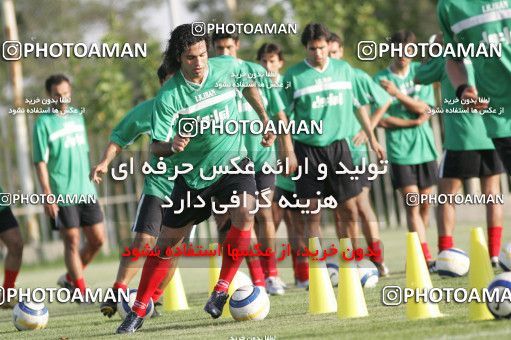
{"x": 111, "y": 151}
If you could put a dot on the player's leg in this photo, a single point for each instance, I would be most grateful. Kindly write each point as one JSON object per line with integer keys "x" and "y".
{"x": 297, "y": 220}
{"x": 414, "y": 221}
{"x": 74, "y": 265}
{"x": 371, "y": 230}
{"x": 348, "y": 214}
{"x": 490, "y": 186}
{"x": 446, "y": 214}
{"x": 11, "y": 237}
{"x": 91, "y": 218}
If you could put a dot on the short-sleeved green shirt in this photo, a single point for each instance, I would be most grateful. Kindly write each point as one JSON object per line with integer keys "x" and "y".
{"x": 322, "y": 95}
{"x": 61, "y": 142}
{"x": 484, "y": 21}
{"x": 370, "y": 93}
{"x": 135, "y": 123}
{"x": 463, "y": 131}
{"x": 413, "y": 145}
{"x": 181, "y": 102}
{"x": 272, "y": 104}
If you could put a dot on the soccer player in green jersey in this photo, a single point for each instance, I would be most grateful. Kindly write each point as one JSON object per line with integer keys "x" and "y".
{"x": 271, "y": 57}
{"x": 61, "y": 157}
{"x": 323, "y": 89}
{"x": 194, "y": 94}
{"x": 228, "y": 44}
{"x": 11, "y": 237}
{"x": 468, "y": 152}
{"x": 149, "y": 212}
{"x": 482, "y": 22}
{"x": 410, "y": 143}
{"x": 371, "y": 93}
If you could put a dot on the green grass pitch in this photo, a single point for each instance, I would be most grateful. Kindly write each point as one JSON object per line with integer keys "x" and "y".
{"x": 288, "y": 318}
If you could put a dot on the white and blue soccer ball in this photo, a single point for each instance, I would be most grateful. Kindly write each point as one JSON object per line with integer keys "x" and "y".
{"x": 505, "y": 257}
{"x": 368, "y": 273}
{"x": 29, "y": 316}
{"x": 249, "y": 303}
{"x": 501, "y": 308}
{"x": 241, "y": 279}
{"x": 333, "y": 272}
{"x": 124, "y": 307}
{"x": 452, "y": 262}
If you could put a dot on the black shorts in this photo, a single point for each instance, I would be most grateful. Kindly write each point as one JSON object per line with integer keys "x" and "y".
{"x": 149, "y": 215}
{"x": 222, "y": 191}
{"x": 470, "y": 163}
{"x": 364, "y": 181}
{"x": 503, "y": 147}
{"x": 264, "y": 181}
{"x": 78, "y": 215}
{"x": 279, "y": 192}
{"x": 7, "y": 220}
{"x": 341, "y": 187}
{"x": 423, "y": 175}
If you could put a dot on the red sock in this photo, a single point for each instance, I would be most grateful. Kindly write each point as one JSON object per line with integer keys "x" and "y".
{"x": 120, "y": 286}
{"x": 302, "y": 270}
{"x": 375, "y": 247}
{"x": 494, "y": 238}
{"x": 157, "y": 293}
{"x": 269, "y": 264}
{"x": 445, "y": 242}
{"x": 425, "y": 250}
{"x": 80, "y": 284}
{"x": 235, "y": 238}
{"x": 68, "y": 278}
{"x": 154, "y": 271}
{"x": 256, "y": 271}
{"x": 10, "y": 278}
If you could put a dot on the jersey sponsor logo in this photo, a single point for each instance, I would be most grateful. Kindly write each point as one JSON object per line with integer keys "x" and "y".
{"x": 495, "y": 6}
{"x": 205, "y": 95}
{"x": 333, "y": 99}
{"x": 498, "y": 37}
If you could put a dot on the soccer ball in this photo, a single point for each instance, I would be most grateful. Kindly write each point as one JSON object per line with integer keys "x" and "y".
{"x": 505, "y": 257}
{"x": 241, "y": 279}
{"x": 368, "y": 273}
{"x": 452, "y": 262}
{"x": 29, "y": 315}
{"x": 333, "y": 272}
{"x": 249, "y": 303}
{"x": 124, "y": 307}
{"x": 502, "y": 282}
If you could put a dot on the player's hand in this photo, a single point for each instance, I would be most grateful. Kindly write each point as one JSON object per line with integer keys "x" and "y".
{"x": 377, "y": 148}
{"x": 360, "y": 138}
{"x": 292, "y": 161}
{"x": 179, "y": 143}
{"x": 52, "y": 210}
{"x": 390, "y": 87}
{"x": 472, "y": 97}
{"x": 97, "y": 172}
{"x": 422, "y": 119}
{"x": 268, "y": 138}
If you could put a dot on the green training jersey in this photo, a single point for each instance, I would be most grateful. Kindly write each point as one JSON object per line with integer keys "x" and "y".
{"x": 182, "y": 103}
{"x": 412, "y": 145}
{"x": 273, "y": 105}
{"x": 134, "y": 124}
{"x": 61, "y": 142}
{"x": 325, "y": 96}
{"x": 463, "y": 131}
{"x": 370, "y": 93}
{"x": 486, "y": 22}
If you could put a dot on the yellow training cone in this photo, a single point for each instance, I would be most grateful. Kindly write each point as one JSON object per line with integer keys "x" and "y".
{"x": 350, "y": 296}
{"x": 321, "y": 293}
{"x": 480, "y": 273}
{"x": 174, "y": 297}
{"x": 417, "y": 278}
